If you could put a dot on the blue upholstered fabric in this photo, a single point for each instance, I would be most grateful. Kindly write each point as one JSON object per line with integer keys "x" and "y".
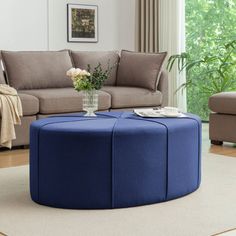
{"x": 114, "y": 160}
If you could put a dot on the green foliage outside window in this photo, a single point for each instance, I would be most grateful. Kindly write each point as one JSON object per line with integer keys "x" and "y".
{"x": 211, "y": 51}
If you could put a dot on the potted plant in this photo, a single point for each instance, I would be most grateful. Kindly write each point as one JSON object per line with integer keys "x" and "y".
{"x": 217, "y": 70}
{"x": 89, "y": 82}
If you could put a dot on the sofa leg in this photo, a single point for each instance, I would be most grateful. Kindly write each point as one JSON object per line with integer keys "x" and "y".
{"x": 215, "y": 142}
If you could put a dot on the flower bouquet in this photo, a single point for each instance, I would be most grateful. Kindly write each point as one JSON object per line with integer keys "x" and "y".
{"x": 89, "y": 82}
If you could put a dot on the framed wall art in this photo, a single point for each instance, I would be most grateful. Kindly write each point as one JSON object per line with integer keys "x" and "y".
{"x": 82, "y": 23}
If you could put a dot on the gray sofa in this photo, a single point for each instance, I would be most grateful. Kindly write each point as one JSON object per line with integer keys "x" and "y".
{"x": 222, "y": 122}
{"x": 136, "y": 81}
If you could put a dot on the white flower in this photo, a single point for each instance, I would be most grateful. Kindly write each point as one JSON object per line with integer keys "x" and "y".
{"x": 77, "y": 71}
{"x": 85, "y": 73}
{"x": 77, "y": 74}
{"x": 70, "y": 72}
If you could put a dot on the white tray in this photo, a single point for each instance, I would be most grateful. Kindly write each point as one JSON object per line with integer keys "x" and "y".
{"x": 151, "y": 113}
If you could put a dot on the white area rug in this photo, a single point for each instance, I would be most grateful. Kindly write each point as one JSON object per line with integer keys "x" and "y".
{"x": 209, "y": 210}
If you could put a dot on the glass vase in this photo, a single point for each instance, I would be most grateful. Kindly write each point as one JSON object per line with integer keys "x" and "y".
{"x": 90, "y": 102}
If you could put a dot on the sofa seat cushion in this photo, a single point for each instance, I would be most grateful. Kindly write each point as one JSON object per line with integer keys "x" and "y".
{"x": 140, "y": 69}
{"x": 224, "y": 103}
{"x": 37, "y": 70}
{"x": 64, "y": 100}
{"x": 81, "y": 60}
{"x": 30, "y": 104}
{"x": 122, "y": 97}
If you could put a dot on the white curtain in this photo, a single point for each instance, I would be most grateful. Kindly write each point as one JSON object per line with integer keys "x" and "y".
{"x": 147, "y": 26}
{"x": 172, "y": 40}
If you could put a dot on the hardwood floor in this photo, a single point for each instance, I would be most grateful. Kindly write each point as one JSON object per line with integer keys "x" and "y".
{"x": 227, "y": 149}
{"x": 12, "y": 158}
{"x": 20, "y": 157}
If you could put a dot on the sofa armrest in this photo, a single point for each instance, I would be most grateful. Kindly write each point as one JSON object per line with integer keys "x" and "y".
{"x": 163, "y": 88}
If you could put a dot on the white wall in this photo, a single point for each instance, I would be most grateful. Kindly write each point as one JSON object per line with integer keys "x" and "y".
{"x": 126, "y": 24}
{"x": 42, "y": 25}
{"x": 23, "y": 24}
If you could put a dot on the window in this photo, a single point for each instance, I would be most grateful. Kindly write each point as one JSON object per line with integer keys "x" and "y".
{"x": 210, "y": 24}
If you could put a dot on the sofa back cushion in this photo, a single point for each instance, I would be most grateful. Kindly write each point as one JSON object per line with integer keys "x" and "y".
{"x": 37, "y": 70}
{"x": 140, "y": 69}
{"x": 83, "y": 58}
{"x": 2, "y": 78}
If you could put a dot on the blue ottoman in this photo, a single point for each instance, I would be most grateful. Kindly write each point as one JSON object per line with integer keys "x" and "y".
{"x": 114, "y": 160}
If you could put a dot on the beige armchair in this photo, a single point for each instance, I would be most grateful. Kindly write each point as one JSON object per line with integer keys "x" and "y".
{"x": 222, "y": 123}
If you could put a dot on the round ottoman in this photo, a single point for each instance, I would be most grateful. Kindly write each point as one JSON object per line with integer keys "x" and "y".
{"x": 114, "y": 160}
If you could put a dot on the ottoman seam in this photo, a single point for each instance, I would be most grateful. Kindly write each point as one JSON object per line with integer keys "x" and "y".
{"x": 112, "y": 164}
{"x": 40, "y": 129}
{"x": 38, "y": 162}
{"x": 167, "y": 149}
{"x": 161, "y": 125}
{"x": 66, "y": 121}
{"x": 82, "y": 116}
{"x": 199, "y": 138}
{"x": 167, "y": 158}
{"x": 38, "y": 158}
{"x": 199, "y": 147}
